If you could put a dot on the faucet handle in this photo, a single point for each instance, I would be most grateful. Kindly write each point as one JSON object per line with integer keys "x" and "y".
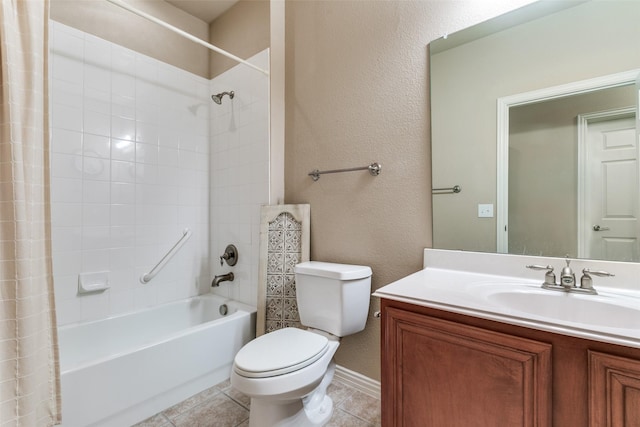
{"x": 540, "y": 267}
{"x": 586, "y": 282}
{"x": 549, "y": 276}
{"x": 597, "y": 272}
{"x": 230, "y": 255}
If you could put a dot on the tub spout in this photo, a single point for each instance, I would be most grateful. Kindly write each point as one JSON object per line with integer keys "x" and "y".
{"x": 222, "y": 278}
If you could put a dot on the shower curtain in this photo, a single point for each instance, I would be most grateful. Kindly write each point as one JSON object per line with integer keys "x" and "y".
{"x": 29, "y": 369}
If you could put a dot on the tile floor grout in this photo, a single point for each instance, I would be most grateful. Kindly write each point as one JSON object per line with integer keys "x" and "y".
{"x": 222, "y": 406}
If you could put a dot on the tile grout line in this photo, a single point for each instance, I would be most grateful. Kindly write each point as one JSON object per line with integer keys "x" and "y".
{"x": 237, "y": 401}
{"x": 371, "y": 423}
{"x": 168, "y": 420}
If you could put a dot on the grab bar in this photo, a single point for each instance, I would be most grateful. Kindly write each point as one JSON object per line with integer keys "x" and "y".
{"x": 374, "y": 169}
{"x": 455, "y": 189}
{"x": 146, "y": 278}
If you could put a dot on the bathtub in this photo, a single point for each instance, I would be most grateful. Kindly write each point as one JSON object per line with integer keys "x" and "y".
{"x": 122, "y": 370}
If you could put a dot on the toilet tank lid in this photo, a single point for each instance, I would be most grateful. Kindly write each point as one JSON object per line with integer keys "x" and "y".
{"x": 333, "y": 271}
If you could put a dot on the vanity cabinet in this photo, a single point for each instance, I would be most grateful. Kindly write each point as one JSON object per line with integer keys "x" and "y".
{"x": 441, "y": 369}
{"x": 614, "y": 390}
{"x": 446, "y": 374}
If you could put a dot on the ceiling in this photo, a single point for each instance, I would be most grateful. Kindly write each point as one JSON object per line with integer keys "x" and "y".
{"x": 206, "y": 10}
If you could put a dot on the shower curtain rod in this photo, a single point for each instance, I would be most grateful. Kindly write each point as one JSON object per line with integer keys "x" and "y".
{"x": 176, "y": 30}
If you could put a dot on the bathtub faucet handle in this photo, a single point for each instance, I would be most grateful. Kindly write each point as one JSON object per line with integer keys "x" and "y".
{"x": 230, "y": 255}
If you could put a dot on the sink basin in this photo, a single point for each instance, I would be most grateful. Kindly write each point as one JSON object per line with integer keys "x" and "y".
{"x": 613, "y": 312}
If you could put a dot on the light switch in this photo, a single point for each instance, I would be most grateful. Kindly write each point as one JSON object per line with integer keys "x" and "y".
{"x": 485, "y": 210}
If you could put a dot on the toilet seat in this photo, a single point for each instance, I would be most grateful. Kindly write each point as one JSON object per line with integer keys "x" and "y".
{"x": 280, "y": 352}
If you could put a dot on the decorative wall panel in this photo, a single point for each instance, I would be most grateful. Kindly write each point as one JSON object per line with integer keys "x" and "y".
{"x": 284, "y": 242}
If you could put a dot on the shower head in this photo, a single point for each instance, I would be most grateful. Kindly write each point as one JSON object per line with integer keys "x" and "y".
{"x": 218, "y": 98}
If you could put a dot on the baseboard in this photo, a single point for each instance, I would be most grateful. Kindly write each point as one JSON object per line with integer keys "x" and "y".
{"x": 358, "y": 381}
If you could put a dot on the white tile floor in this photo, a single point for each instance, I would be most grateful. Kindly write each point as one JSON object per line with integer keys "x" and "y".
{"x": 222, "y": 406}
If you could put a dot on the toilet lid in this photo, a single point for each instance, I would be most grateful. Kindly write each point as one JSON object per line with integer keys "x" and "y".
{"x": 280, "y": 352}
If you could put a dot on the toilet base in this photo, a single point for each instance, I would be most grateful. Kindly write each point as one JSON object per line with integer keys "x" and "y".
{"x": 314, "y": 410}
{"x": 293, "y": 414}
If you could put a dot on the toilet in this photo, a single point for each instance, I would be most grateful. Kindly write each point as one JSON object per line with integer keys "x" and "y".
{"x": 286, "y": 372}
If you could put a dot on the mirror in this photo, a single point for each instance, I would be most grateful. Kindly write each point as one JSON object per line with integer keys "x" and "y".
{"x": 511, "y": 99}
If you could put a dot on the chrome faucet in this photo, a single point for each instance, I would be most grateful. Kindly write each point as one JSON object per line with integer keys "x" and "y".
{"x": 567, "y": 276}
{"x": 568, "y": 279}
{"x": 222, "y": 278}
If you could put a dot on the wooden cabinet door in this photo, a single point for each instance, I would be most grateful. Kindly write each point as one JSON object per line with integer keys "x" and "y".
{"x": 614, "y": 391}
{"x": 438, "y": 373}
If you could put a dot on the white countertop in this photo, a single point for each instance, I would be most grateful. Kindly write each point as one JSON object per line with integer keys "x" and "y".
{"x": 473, "y": 293}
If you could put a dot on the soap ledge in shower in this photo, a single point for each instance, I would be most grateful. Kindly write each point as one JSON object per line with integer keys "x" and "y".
{"x": 90, "y": 283}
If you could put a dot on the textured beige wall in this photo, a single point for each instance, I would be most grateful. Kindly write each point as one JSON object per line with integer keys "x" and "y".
{"x": 357, "y": 92}
{"x": 243, "y": 30}
{"x": 122, "y": 27}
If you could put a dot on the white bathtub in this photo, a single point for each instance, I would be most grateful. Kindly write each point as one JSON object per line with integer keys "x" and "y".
{"x": 119, "y": 371}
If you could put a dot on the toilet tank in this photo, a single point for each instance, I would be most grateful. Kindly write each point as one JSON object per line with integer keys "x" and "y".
{"x": 333, "y": 297}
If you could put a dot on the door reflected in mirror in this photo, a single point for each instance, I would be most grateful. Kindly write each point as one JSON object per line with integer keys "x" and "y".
{"x": 578, "y": 154}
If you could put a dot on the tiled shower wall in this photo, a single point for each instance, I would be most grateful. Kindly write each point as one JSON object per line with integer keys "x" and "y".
{"x": 240, "y": 174}
{"x": 130, "y": 170}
